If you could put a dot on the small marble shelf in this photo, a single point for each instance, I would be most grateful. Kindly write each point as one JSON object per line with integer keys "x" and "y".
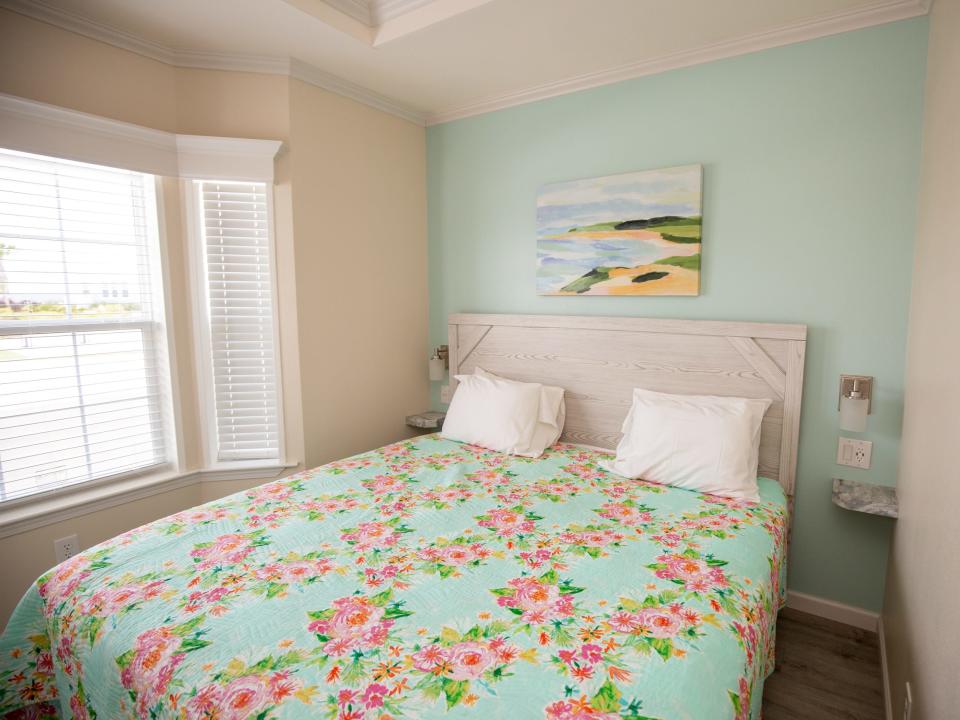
{"x": 866, "y": 498}
{"x": 426, "y": 420}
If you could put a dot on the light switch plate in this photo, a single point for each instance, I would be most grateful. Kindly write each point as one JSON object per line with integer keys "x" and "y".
{"x": 445, "y": 394}
{"x": 854, "y": 453}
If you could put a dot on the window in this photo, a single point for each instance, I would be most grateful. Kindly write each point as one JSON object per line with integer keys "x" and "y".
{"x": 239, "y": 348}
{"x": 83, "y": 376}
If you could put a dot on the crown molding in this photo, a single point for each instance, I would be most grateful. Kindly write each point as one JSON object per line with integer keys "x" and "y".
{"x": 856, "y": 19}
{"x": 67, "y": 20}
{"x": 313, "y": 75}
{"x": 877, "y": 14}
{"x": 359, "y": 10}
{"x": 383, "y": 10}
{"x": 290, "y": 67}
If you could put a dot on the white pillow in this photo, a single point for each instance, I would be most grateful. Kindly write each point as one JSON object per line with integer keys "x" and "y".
{"x": 550, "y": 419}
{"x": 494, "y": 413}
{"x": 699, "y": 442}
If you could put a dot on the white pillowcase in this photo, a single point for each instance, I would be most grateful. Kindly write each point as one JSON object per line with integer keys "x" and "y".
{"x": 699, "y": 442}
{"x": 550, "y": 419}
{"x": 493, "y": 413}
{"x": 505, "y": 415}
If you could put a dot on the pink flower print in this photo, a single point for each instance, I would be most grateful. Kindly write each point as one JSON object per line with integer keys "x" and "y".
{"x": 592, "y": 539}
{"x": 346, "y": 697}
{"x": 198, "y": 516}
{"x": 507, "y": 523}
{"x": 468, "y": 660}
{"x": 373, "y": 695}
{"x": 430, "y": 658}
{"x": 372, "y": 535}
{"x": 339, "y": 647}
{"x": 577, "y": 710}
{"x": 624, "y": 622}
{"x": 537, "y": 558}
{"x": 696, "y": 575}
{"x": 658, "y": 623}
{"x": 44, "y": 663}
{"x": 243, "y": 698}
{"x": 591, "y": 653}
{"x": 733, "y": 503}
{"x": 539, "y": 602}
{"x": 78, "y": 709}
{"x": 65, "y": 581}
{"x": 383, "y": 484}
{"x": 669, "y": 539}
{"x": 226, "y": 549}
{"x": 271, "y": 492}
{"x": 624, "y": 514}
{"x": 356, "y": 622}
{"x": 743, "y": 713}
{"x": 455, "y": 555}
{"x": 150, "y": 671}
{"x": 293, "y": 571}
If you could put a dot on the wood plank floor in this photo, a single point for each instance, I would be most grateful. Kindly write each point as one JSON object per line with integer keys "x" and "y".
{"x": 825, "y": 671}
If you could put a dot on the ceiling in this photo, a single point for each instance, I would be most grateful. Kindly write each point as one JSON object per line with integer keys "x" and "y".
{"x": 437, "y": 60}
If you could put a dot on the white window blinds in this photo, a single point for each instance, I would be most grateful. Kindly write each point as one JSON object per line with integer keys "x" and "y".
{"x": 82, "y": 366}
{"x": 237, "y": 250}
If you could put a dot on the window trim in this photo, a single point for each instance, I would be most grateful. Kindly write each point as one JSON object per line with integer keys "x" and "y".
{"x": 45, "y": 129}
{"x": 196, "y": 258}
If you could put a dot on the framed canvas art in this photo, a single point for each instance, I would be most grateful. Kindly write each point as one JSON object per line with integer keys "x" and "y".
{"x": 631, "y": 234}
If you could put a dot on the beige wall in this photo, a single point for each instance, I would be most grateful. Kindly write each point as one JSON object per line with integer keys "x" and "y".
{"x": 359, "y": 208}
{"x": 920, "y": 615}
{"x": 350, "y": 207}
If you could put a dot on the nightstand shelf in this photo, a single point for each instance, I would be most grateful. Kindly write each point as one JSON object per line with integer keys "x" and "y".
{"x": 866, "y": 498}
{"x": 426, "y": 420}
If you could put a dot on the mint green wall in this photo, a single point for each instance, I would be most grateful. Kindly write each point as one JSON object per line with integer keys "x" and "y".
{"x": 811, "y": 158}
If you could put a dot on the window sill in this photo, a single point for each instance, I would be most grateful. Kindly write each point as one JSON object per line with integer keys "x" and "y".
{"x": 53, "y": 507}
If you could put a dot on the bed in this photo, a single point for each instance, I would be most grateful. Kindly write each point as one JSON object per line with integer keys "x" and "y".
{"x": 431, "y": 579}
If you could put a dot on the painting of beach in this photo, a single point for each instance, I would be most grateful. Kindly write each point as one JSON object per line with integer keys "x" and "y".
{"x": 632, "y": 234}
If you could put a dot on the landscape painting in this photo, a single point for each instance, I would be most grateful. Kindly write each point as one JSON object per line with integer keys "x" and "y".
{"x": 631, "y": 234}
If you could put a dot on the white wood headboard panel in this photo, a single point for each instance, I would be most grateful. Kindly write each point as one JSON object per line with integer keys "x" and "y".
{"x": 599, "y": 360}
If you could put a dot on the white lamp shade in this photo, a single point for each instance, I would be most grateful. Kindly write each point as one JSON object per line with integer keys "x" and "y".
{"x": 436, "y": 366}
{"x": 853, "y": 414}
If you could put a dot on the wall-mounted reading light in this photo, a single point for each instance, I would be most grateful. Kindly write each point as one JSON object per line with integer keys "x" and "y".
{"x": 438, "y": 363}
{"x": 856, "y": 392}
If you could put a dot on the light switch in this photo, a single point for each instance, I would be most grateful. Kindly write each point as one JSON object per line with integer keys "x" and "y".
{"x": 854, "y": 453}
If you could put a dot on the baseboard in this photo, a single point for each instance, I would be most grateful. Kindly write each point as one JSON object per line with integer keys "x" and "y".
{"x": 832, "y": 610}
{"x": 884, "y": 670}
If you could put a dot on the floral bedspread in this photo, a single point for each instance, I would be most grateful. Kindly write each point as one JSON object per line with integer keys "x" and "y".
{"x": 425, "y": 579}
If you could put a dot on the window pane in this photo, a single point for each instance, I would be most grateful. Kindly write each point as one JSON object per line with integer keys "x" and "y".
{"x": 80, "y": 329}
{"x": 239, "y": 287}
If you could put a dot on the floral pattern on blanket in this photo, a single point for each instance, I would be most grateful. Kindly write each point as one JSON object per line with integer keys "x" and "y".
{"x": 421, "y": 580}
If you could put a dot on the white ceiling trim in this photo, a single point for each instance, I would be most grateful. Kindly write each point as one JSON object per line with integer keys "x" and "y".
{"x": 334, "y": 83}
{"x": 31, "y": 126}
{"x": 359, "y": 10}
{"x": 213, "y": 61}
{"x": 383, "y": 10}
{"x": 879, "y": 14}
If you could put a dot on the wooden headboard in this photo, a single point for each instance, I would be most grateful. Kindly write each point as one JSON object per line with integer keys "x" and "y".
{"x": 599, "y": 360}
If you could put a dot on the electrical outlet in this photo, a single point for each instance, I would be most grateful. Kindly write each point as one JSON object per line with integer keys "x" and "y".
{"x": 854, "y": 453}
{"x": 445, "y": 394}
{"x": 65, "y": 548}
{"x": 907, "y": 702}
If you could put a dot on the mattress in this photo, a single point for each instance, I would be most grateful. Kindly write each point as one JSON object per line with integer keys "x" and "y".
{"x": 425, "y": 579}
